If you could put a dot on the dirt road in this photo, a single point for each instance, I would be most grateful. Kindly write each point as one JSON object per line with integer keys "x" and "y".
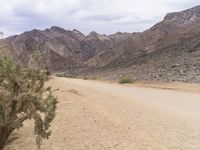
{"x": 93, "y": 115}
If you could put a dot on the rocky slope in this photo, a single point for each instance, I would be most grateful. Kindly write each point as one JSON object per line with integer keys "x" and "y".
{"x": 60, "y": 48}
{"x": 178, "y": 61}
{"x": 168, "y": 51}
{"x": 167, "y": 32}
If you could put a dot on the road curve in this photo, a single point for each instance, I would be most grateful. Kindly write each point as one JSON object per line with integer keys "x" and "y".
{"x": 94, "y": 115}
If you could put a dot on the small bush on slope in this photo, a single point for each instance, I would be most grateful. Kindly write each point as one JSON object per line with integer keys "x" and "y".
{"x": 126, "y": 80}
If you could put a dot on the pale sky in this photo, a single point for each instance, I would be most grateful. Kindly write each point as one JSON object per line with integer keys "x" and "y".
{"x": 102, "y": 16}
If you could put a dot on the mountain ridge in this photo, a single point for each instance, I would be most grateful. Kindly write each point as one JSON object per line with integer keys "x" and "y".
{"x": 70, "y": 49}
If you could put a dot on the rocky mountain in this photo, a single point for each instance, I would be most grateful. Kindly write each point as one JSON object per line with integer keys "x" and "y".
{"x": 167, "y": 32}
{"x": 94, "y": 43}
{"x": 60, "y": 48}
{"x": 167, "y": 51}
{"x": 178, "y": 61}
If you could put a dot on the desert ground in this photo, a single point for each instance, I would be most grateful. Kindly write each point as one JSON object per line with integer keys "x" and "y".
{"x": 96, "y": 115}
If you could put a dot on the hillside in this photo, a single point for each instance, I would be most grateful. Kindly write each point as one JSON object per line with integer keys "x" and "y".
{"x": 168, "y": 51}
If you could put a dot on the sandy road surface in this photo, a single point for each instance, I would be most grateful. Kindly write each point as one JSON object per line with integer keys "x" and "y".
{"x": 94, "y": 115}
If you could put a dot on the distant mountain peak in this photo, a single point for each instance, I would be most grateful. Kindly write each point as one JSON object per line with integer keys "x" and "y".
{"x": 195, "y": 9}
{"x": 93, "y": 33}
{"x": 58, "y": 29}
{"x": 186, "y": 16}
{"x": 75, "y": 30}
{"x": 78, "y": 33}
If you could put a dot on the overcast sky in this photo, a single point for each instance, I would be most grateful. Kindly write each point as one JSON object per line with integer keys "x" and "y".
{"x": 102, "y": 16}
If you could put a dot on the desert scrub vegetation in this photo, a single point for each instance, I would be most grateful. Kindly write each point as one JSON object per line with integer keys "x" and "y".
{"x": 23, "y": 95}
{"x": 126, "y": 80}
{"x": 89, "y": 78}
{"x": 86, "y": 78}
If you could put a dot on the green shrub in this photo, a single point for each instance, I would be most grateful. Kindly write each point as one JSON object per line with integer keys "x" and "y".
{"x": 85, "y": 78}
{"x": 126, "y": 80}
{"x": 23, "y": 95}
{"x": 93, "y": 78}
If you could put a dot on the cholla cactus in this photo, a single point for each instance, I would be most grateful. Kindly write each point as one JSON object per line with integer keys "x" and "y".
{"x": 23, "y": 96}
